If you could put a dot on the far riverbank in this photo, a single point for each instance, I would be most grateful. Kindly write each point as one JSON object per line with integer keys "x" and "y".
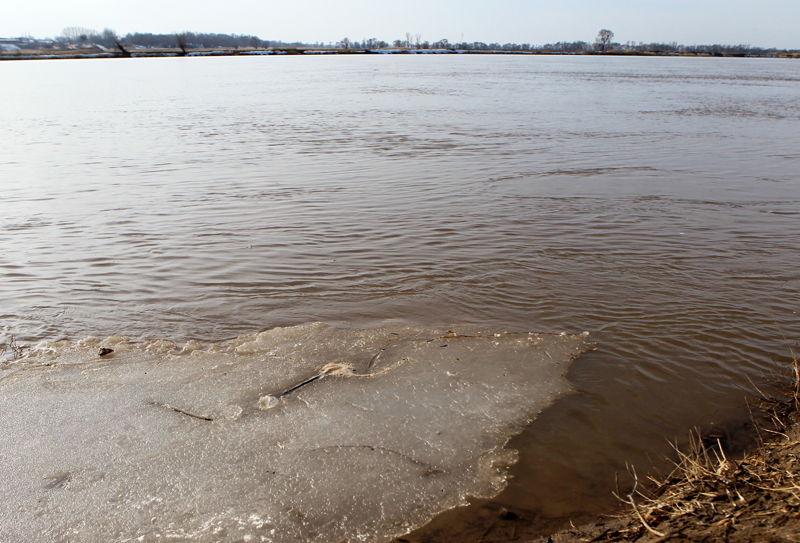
{"x": 94, "y": 52}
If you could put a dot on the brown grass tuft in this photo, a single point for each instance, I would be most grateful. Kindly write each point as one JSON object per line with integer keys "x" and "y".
{"x": 710, "y": 497}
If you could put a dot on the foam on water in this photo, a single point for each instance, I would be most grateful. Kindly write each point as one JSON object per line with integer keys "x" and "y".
{"x": 218, "y": 443}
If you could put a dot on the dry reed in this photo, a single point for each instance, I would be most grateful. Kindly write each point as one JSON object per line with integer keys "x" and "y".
{"x": 711, "y": 495}
{"x": 17, "y": 351}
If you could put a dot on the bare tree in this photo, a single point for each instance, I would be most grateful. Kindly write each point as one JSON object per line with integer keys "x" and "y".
{"x": 408, "y": 39}
{"x": 345, "y": 43}
{"x": 417, "y": 39}
{"x": 74, "y": 34}
{"x": 180, "y": 40}
{"x": 108, "y": 37}
{"x": 604, "y": 38}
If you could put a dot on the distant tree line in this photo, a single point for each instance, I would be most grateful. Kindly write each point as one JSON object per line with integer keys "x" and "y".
{"x": 603, "y": 43}
{"x": 79, "y": 37}
{"x": 108, "y": 38}
{"x": 204, "y": 41}
{"x": 674, "y": 47}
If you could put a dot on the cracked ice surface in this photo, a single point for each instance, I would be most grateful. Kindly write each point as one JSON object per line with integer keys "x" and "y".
{"x": 200, "y": 443}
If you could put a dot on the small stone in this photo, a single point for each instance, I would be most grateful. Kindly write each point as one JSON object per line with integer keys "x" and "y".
{"x": 505, "y": 514}
{"x": 105, "y": 350}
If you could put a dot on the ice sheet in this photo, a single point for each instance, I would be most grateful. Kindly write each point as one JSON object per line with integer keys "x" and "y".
{"x": 204, "y": 443}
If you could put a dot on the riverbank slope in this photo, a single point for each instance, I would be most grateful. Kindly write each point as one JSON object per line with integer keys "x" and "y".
{"x": 710, "y": 497}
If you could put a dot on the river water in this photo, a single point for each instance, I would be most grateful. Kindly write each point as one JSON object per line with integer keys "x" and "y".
{"x": 653, "y": 202}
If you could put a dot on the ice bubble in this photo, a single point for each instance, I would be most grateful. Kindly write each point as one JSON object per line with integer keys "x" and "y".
{"x": 267, "y": 402}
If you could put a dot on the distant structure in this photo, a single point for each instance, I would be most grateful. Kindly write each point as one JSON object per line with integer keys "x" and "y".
{"x": 13, "y": 44}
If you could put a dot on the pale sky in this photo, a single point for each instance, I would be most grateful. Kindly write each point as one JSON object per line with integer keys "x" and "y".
{"x": 766, "y": 23}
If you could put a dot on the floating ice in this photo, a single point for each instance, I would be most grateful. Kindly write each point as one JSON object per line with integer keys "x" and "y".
{"x": 308, "y": 433}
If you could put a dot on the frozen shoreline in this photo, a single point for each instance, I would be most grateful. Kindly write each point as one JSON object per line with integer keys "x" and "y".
{"x": 152, "y": 440}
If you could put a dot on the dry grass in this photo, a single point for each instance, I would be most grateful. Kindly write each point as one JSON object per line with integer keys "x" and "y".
{"x": 709, "y": 496}
{"x": 12, "y": 347}
{"x": 712, "y": 498}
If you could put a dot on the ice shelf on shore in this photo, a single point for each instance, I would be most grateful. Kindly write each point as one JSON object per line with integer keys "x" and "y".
{"x": 215, "y": 443}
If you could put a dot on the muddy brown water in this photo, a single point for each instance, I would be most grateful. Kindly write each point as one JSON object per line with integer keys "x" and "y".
{"x": 654, "y": 202}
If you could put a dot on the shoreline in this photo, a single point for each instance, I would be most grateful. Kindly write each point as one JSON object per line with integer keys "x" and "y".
{"x": 44, "y": 54}
{"x": 721, "y": 500}
{"x": 710, "y": 497}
